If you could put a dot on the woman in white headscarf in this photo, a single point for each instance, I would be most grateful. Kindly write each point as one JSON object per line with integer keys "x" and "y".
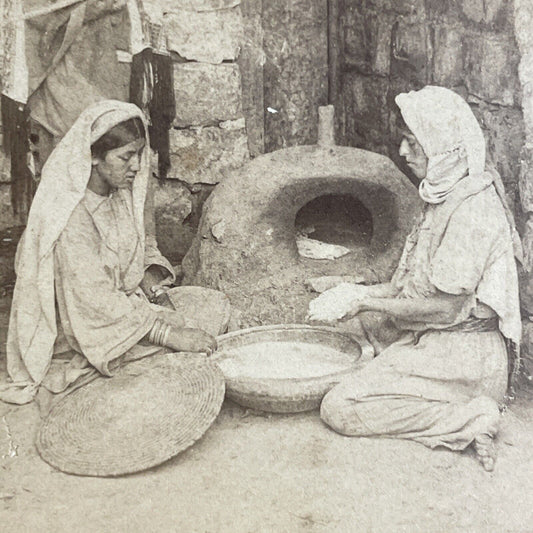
{"x": 79, "y": 307}
{"x": 454, "y": 294}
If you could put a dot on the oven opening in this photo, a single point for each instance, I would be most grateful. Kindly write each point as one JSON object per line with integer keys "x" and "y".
{"x": 333, "y": 225}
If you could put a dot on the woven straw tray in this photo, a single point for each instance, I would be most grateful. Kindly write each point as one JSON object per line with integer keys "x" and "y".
{"x": 150, "y": 411}
{"x": 286, "y": 395}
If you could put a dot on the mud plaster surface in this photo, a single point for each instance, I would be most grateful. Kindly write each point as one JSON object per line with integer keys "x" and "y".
{"x": 246, "y": 245}
{"x": 281, "y": 473}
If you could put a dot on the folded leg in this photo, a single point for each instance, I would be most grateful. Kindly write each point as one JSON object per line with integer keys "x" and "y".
{"x": 433, "y": 423}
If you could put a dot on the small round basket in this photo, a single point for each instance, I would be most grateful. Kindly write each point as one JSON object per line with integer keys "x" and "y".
{"x": 285, "y": 394}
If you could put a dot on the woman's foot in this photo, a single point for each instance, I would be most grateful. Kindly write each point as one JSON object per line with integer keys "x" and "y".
{"x": 485, "y": 451}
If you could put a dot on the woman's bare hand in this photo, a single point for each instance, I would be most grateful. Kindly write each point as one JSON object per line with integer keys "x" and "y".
{"x": 191, "y": 340}
{"x": 335, "y": 304}
{"x": 163, "y": 300}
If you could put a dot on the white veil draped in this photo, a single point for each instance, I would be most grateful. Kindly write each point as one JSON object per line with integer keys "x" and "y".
{"x": 450, "y": 135}
{"x": 32, "y": 327}
{"x": 448, "y": 131}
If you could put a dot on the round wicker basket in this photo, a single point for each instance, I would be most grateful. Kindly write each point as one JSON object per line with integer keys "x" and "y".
{"x": 150, "y": 411}
{"x": 287, "y": 395}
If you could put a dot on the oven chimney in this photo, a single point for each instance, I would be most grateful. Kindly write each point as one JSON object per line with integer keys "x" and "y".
{"x": 326, "y": 126}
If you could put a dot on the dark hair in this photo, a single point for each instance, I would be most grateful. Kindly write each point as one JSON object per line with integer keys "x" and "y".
{"x": 119, "y": 135}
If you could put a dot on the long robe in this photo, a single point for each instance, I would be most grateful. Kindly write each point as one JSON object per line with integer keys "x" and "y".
{"x": 102, "y": 312}
{"x": 441, "y": 388}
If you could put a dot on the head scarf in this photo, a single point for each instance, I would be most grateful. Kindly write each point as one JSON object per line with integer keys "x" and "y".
{"x": 453, "y": 142}
{"x": 32, "y": 328}
{"x": 450, "y": 135}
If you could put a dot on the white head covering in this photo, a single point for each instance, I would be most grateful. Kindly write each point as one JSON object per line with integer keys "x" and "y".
{"x": 32, "y": 327}
{"x": 453, "y": 142}
{"x": 450, "y": 135}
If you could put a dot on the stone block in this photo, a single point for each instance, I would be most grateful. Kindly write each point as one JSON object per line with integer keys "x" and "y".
{"x": 199, "y": 5}
{"x": 494, "y": 13}
{"x": 206, "y": 94}
{"x": 7, "y": 216}
{"x": 202, "y": 155}
{"x": 367, "y": 40}
{"x": 365, "y": 110}
{"x": 173, "y": 204}
{"x": 504, "y": 132}
{"x": 410, "y": 52}
{"x": 448, "y": 55}
{"x": 401, "y": 7}
{"x": 208, "y": 36}
{"x": 491, "y": 68}
{"x": 474, "y": 9}
{"x": 439, "y": 9}
{"x": 484, "y": 14}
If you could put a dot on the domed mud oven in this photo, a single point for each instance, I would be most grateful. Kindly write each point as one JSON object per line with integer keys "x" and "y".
{"x": 246, "y": 245}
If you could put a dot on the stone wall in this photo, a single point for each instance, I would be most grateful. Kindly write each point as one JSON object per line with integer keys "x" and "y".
{"x": 295, "y": 44}
{"x": 7, "y": 216}
{"x": 249, "y": 76}
{"x": 389, "y": 46}
{"x": 208, "y": 135}
{"x": 524, "y": 37}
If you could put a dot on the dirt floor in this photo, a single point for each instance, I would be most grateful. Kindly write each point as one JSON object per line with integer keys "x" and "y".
{"x": 259, "y": 473}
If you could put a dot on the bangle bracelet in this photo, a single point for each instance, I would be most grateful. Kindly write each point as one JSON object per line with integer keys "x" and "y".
{"x": 159, "y": 335}
{"x": 154, "y": 332}
{"x": 165, "y": 335}
{"x": 151, "y": 333}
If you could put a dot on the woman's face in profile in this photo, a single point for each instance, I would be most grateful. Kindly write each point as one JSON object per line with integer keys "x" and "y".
{"x": 414, "y": 155}
{"x": 119, "y": 166}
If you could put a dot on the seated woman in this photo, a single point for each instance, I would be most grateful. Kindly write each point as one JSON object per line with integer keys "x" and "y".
{"x": 79, "y": 306}
{"x": 454, "y": 295}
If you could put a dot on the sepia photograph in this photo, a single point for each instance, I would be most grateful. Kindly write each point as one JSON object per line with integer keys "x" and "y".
{"x": 266, "y": 266}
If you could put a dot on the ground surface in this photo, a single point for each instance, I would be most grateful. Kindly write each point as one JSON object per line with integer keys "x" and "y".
{"x": 253, "y": 473}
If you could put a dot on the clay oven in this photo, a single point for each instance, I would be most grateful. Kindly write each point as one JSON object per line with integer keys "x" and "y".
{"x": 246, "y": 244}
